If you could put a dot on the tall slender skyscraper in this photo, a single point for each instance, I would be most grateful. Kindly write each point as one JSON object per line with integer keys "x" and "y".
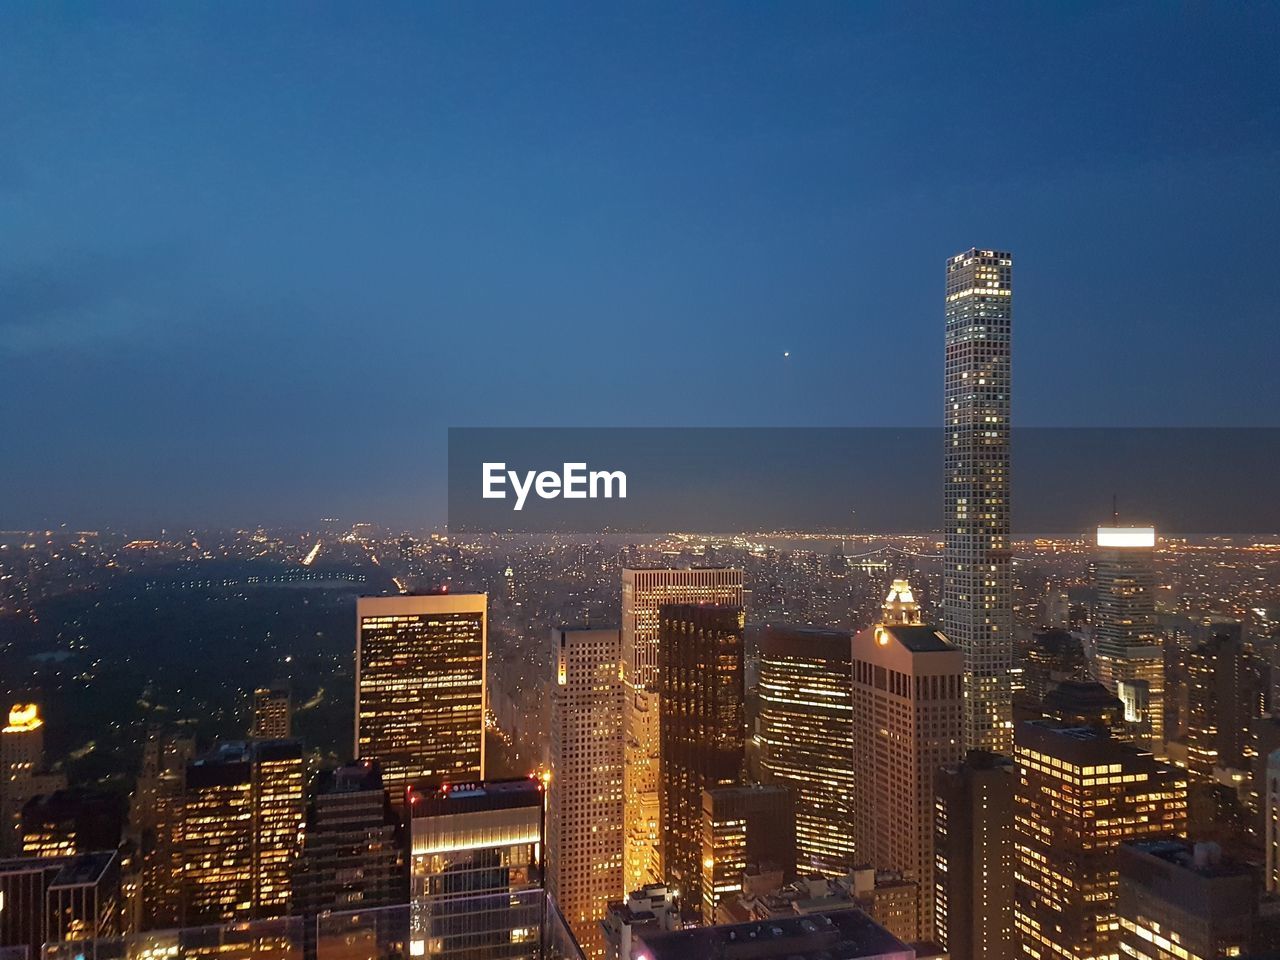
{"x": 420, "y": 687}
{"x": 907, "y": 718}
{"x": 704, "y": 727}
{"x": 1130, "y": 656}
{"x": 584, "y": 798}
{"x": 977, "y": 577}
{"x": 643, "y": 592}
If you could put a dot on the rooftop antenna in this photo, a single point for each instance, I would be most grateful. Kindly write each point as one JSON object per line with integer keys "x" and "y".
{"x": 1115, "y": 511}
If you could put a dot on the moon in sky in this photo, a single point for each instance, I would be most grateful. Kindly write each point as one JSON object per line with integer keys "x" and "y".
{"x": 786, "y": 353}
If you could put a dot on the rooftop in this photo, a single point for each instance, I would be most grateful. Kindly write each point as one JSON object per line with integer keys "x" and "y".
{"x": 843, "y": 935}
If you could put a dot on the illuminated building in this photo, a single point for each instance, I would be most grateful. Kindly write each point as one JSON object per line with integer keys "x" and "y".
{"x": 805, "y": 726}
{"x": 1183, "y": 901}
{"x": 652, "y": 909}
{"x": 848, "y": 934}
{"x": 744, "y": 826}
{"x": 242, "y": 808}
{"x": 1085, "y": 703}
{"x": 1224, "y": 694}
{"x": 977, "y": 575}
{"x": 420, "y": 687}
{"x": 643, "y": 592}
{"x": 1081, "y": 794}
{"x": 476, "y": 870}
{"x": 584, "y": 796}
{"x": 1130, "y": 655}
{"x": 907, "y": 722}
{"x": 973, "y": 852}
{"x": 703, "y": 725}
{"x": 65, "y": 822}
{"x": 155, "y": 827}
{"x": 272, "y": 713}
{"x": 22, "y": 774}
{"x": 353, "y": 845}
{"x": 53, "y": 899}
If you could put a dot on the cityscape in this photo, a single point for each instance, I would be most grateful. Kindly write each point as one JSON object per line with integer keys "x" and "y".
{"x": 532, "y": 746}
{"x": 656, "y": 481}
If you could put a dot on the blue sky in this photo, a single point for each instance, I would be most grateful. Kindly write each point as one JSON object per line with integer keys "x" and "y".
{"x": 256, "y": 259}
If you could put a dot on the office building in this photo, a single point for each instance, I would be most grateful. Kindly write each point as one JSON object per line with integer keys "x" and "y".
{"x": 805, "y": 725}
{"x": 744, "y": 827}
{"x": 1081, "y": 793}
{"x": 75, "y": 820}
{"x": 56, "y": 899}
{"x": 907, "y": 723}
{"x": 977, "y": 574}
{"x": 155, "y": 827}
{"x": 1183, "y": 901}
{"x": 1224, "y": 696}
{"x": 272, "y": 713}
{"x": 974, "y": 857}
{"x": 584, "y": 796}
{"x": 847, "y": 934}
{"x": 476, "y": 870}
{"x": 644, "y": 591}
{"x": 420, "y": 688}
{"x": 22, "y": 772}
{"x": 703, "y": 725}
{"x": 353, "y": 852}
{"x": 242, "y": 808}
{"x": 1130, "y": 652}
{"x": 1085, "y": 703}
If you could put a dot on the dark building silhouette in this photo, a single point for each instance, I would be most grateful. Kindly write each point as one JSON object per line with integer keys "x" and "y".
{"x": 751, "y": 826}
{"x": 703, "y": 726}
{"x": 1052, "y": 657}
{"x": 973, "y": 846}
{"x": 75, "y": 820}
{"x": 1083, "y": 703}
{"x": 1224, "y": 695}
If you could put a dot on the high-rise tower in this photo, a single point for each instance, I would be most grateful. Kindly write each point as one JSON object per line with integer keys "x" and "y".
{"x": 1130, "y": 655}
{"x": 584, "y": 800}
{"x": 977, "y": 579}
{"x": 643, "y": 592}
{"x": 420, "y": 687}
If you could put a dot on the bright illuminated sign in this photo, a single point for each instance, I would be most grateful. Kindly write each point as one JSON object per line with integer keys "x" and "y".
{"x": 1126, "y": 536}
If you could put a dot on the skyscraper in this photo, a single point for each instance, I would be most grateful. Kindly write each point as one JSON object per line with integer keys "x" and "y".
{"x": 272, "y": 713}
{"x": 353, "y": 850}
{"x": 744, "y": 825}
{"x": 22, "y": 773}
{"x": 977, "y": 575}
{"x": 805, "y": 727}
{"x": 973, "y": 840}
{"x": 1224, "y": 696}
{"x": 584, "y": 797}
{"x": 420, "y": 687}
{"x": 155, "y": 826}
{"x": 643, "y": 592}
{"x": 703, "y": 724}
{"x": 1271, "y": 822}
{"x": 1130, "y": 656}
{"x": 907, "y": 722}
{"x": 476, "y": 870}
{"x": 1081, "y": 794}
{"x": 242, "y": 808}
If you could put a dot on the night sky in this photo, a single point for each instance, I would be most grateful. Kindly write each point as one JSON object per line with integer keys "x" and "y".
{"x": 254, "y": 262}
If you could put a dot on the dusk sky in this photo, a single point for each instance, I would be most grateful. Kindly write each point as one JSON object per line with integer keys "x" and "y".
{"x": 255, "y": 261}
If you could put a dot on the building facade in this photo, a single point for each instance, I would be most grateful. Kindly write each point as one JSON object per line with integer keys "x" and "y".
{"x": 1130, "y": 653}
{"x": 907, "y": 723}
{"x": 974, "y": 857}
{"x": 977, "y": 573}
{"x": 584, "y": 796}
{"x": 1081, "y": 793}
{"x": 703, "y": 727}
{"x": 22, "y": 773}
{"x": 744, "y": 826}
{"x": 644, "y": 591}
{"x": 272, "y": 713}
{"x": 420, "y": 687}
{"x": 805, "y": 725}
